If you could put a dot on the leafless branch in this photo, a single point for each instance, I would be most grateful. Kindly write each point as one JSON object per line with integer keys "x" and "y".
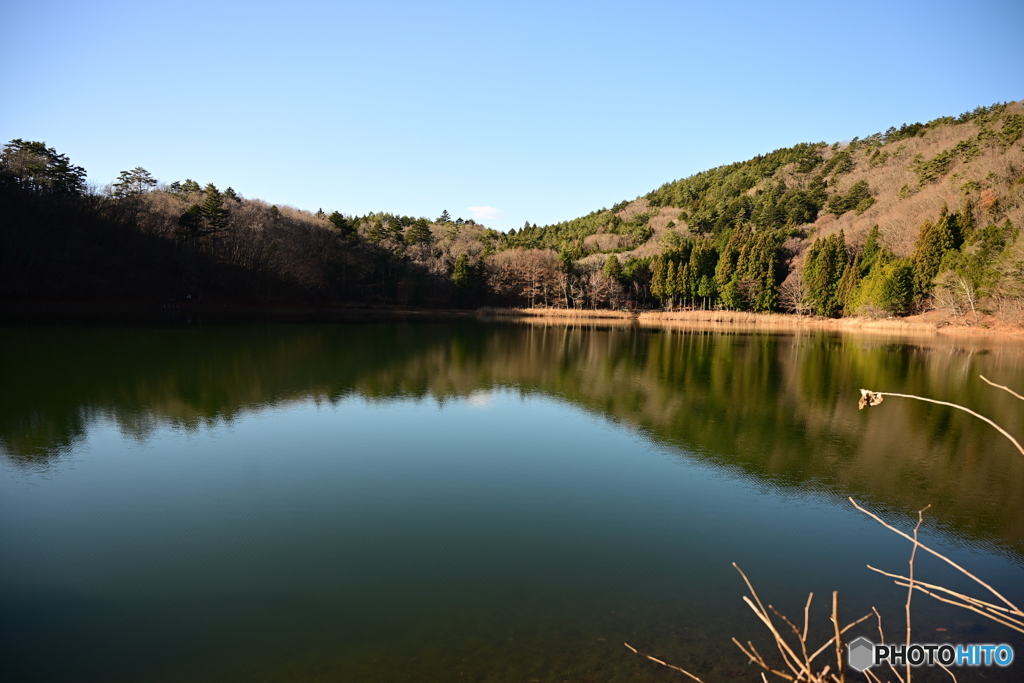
{"x": 683, "y": 671}
{"x": 1000, "y": 386}
{"x": 873, "y": 398}
{"x": 939, "y": 555}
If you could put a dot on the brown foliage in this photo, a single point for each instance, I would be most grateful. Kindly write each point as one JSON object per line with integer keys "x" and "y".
{"x": 526, "y": 277}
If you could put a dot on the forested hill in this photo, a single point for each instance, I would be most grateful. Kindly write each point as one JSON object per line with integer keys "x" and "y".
{"x": 921, "y": 216}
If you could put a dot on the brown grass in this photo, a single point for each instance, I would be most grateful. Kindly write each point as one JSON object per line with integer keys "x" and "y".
{"x": 995, "y": 169}
{"x": 922, "y": 326}
{"x": 555, "y": 313}
{"x": 783, "y": 321}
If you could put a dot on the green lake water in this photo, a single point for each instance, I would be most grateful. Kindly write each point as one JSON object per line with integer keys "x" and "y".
{"x": 470, "y": 501}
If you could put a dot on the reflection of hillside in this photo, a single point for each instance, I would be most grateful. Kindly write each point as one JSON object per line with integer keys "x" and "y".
{"x": 781, "y": 408}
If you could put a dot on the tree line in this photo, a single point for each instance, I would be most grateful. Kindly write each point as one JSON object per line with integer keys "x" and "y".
{"x": 746, "y": 247}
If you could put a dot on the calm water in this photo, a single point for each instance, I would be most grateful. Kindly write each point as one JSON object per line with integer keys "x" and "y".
{"x": 479, "y": 502}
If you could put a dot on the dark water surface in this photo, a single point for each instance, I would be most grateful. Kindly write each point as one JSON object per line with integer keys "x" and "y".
{"x": 480, "y": 502}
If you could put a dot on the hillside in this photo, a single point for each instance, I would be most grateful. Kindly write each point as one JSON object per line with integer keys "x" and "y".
{"x": 900, "y": 180}
{"x": 919, "y": 217}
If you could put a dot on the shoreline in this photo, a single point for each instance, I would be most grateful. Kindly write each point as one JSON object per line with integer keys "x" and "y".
{"x": 916, "y": 326}
{"x": 927, "y": 324}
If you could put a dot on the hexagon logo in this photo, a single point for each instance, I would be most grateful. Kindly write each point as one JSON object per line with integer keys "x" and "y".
{"x": 861, "y": 654}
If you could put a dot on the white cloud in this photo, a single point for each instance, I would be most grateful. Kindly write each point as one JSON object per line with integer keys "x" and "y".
{"x": 484, "y": 213}
{"x": 480, "y": 399}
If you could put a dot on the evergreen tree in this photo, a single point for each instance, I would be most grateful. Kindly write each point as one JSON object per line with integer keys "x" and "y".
{"x": 755, "y": 279}
{"x": 462, "y": 279}
{"x": 612, "y": 268}
{"x": 872, "y": 250}
{"x": 671, "y": 282}
{"x": 857, "y": 198}
{"x": 133, "y": 183}
{"x": 208, "y": 218}
{"x": 394, "y": 231}
{"x": 444, "y": 218}
{"x": 765, "y": 271}
{"x": 215, "y": 216}
{"x": 703, "y": 260}
{"x": 847, "y": 288}
{"x": 725, "y": 269}
{"x": 376, "y": 233}
{"x": 823, "y": 268}
{"x": 933, "y": 241}
{"x": 731, "y": 297}
{"x": 191, "y": 223}
{"x": 955, "y": 224}
{"x": 684, "y": 284}
{"x": 341, "y": 223}
{"x": 658, "y": 274}
{"x": 898, "y": 287}
{"x": 33, "y": 167}
{"x": 419, "y": 233}
{"x": 707, "y": 290}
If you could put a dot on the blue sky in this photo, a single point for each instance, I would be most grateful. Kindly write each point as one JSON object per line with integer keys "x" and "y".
{"x": 528, "y": 111}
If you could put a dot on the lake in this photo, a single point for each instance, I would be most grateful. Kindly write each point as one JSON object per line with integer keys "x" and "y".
{"x": 474, "y": 501}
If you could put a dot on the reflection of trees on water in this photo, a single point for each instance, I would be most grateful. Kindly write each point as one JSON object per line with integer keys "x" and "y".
{"x": 780, "y": 408}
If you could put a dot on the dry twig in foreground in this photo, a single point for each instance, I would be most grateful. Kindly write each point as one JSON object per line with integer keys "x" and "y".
{"x": 798, "y": 660}
{"x": 1007, "y": 613}
{"x": 870, "y": 398}
{"x": 800, "y": 666}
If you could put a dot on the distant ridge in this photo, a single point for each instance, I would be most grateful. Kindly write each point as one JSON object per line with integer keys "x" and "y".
{"x": 921, "y": 217}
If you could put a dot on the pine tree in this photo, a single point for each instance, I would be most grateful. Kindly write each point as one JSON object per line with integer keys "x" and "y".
{"x": 612, "y": 268}
{"x": 33, "y": 167}
{"x": 191, "y": 223}
{"x": 395, "y": 232}
{"x": 215, "y": 216}
{"x": 419, "y": 233}
{"x": 341, "y": 223}
{"x": 857, "y": 198}
{"x": 933, "y": 241}
{"x": 444, "y": 218}
{"x": 133, "y": 183}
